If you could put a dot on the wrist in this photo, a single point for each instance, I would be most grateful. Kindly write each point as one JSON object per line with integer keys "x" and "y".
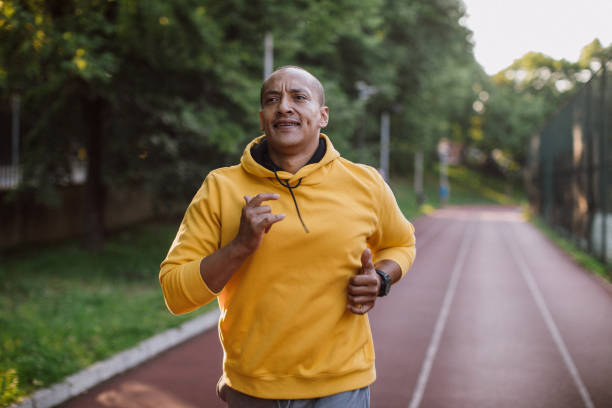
{"x": 238, "y": 250}
{"x": 384, "y": 283}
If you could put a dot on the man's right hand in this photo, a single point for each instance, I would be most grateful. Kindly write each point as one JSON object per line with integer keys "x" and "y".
{"x": 255, "y": 221}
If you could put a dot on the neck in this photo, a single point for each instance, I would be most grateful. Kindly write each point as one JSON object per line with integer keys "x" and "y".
{"x": 293, "y": 161}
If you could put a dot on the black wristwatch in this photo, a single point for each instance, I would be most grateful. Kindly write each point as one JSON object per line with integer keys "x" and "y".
{"x": 385, "y": 283}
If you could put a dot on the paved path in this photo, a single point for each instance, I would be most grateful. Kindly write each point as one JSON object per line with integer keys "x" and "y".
{"x": 491, "y": 315}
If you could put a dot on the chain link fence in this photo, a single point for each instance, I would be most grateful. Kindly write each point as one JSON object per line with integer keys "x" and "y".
{"x": 569, "y": 173}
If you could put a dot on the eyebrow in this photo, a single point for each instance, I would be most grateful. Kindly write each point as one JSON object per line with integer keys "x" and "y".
{"x": 295, "y": 90}
{"x": 299, "y": 90}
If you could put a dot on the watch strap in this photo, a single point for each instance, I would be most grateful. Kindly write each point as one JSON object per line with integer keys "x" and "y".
{"x": 385, "y": 283}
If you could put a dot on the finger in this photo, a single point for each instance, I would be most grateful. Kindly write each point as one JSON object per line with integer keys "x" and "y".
{"x": 361, "y": 300}
{"x": 247, "y": 198}
{"x": 364, "y": 280}
{"x": 366, "y": 256}
{"x": 268, "y": 220}
{"x": 361, "y": 290}
{"x": 260, "y": 198}
{"x": 361, "y": 309}
{"x": 279, "y": 217}
{"x": 262, "y": 209}
{"x": 366, "y": 261}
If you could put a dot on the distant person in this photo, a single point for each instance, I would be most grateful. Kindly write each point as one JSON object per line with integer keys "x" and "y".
{"x": 296, "y": 243}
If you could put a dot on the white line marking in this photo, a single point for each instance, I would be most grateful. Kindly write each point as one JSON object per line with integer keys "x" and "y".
{"x": 430, "y": 356}
{"x": 550, "y": 323}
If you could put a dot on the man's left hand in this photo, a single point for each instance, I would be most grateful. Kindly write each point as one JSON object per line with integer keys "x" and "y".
{"x": 363, "y": 287}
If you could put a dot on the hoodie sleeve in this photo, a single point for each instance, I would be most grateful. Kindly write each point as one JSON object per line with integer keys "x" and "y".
{"x": 394, "y": 238}
{"x": 198, "y": 236}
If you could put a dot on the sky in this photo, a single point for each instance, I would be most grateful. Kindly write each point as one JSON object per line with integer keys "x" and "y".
{"x": 505, "y": 30}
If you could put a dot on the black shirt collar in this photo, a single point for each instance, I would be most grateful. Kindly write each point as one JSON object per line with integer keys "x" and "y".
{"x": 261, "y": 156}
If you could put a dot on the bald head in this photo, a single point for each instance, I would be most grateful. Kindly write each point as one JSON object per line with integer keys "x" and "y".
{"x": 315, "y": 84}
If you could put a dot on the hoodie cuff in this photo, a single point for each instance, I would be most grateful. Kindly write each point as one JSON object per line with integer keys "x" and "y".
{"x": 194, "y": 286}
{"x": 401, "y": 256}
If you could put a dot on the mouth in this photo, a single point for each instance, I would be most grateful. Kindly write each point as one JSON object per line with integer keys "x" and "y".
{"x": 286, "y": 124}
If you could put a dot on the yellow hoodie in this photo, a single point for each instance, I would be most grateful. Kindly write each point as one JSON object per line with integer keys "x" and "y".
{"x": 284, "y": 326}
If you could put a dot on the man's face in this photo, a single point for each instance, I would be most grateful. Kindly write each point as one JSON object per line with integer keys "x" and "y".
{"x": 292, "y": 115}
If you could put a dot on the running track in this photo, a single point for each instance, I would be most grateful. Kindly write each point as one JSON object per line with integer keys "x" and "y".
{"x": 490, "y": 315}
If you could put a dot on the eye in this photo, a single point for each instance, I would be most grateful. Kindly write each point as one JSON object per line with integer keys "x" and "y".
{"x": 300, "y": 97}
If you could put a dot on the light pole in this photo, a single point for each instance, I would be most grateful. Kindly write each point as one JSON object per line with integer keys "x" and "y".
{"x": 15, "y": 105}
{"x": 384, "y": 145}
{"x": 14, "y": 173}
{"x": 365, "y": 92}
{"x": 268, "y": 54}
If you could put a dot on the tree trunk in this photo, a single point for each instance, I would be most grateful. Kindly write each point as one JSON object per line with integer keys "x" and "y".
{"x": 94, "y": 185}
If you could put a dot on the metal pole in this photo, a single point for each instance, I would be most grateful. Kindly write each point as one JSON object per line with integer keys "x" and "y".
{"x": 384, "y": 145}
{"x": 418, "y": 177}
{"x": 590, "y": 188}
{"x": 268, "y": 54}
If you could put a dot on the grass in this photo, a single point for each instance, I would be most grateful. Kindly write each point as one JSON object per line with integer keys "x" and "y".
{"x": 467, "y": 187}
{"x": 584, "y": 259}
{"x": 63, "y": 308}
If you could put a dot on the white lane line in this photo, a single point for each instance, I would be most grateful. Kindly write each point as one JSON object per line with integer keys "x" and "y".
{"x": 430, "y": 356}
{"x": 550, "y": 323}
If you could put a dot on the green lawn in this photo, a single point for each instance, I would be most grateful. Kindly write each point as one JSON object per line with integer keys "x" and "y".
{"x": 63, "y": 308}
{"x": 466, "y": 187}
{"x": 584, "y": 259}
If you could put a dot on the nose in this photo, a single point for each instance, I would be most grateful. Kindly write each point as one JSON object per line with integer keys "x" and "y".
{"x": 284, "y": 104}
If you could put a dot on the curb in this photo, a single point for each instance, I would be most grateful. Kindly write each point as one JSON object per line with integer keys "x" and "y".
{"x": 123, "y": 361}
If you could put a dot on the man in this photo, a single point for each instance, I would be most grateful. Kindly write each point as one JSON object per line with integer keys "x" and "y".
{"x": 296, "y": 243}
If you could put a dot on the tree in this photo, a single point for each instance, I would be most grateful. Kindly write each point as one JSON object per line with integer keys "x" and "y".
{"x": 154, "y": 93}
{"x": 134, "y": 77}
{"x": 525, "y": 94}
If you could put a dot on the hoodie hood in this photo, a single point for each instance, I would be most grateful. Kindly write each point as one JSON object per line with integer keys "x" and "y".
{"x": 310, "y": 174}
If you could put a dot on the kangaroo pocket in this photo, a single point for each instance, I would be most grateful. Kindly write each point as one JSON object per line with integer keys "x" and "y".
{"x": 322, "y": 349}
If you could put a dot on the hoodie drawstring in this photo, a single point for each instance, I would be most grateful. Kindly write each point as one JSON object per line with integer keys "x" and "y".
{"x": 290, "y": 188}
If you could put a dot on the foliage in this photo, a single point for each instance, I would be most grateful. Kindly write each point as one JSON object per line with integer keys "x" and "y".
{"x": 174, "y": 86}
{"x": 153, "y": 94}
{"x": 521, "y": 97}
{"x": 9, "y": 386}
{"x": 584, "y": 259}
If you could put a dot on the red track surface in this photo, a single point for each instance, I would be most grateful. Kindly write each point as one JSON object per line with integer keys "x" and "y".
{"x": 490, "y": 315}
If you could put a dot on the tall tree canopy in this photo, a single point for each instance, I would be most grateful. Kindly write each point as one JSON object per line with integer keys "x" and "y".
{"x": 155, "y": 93}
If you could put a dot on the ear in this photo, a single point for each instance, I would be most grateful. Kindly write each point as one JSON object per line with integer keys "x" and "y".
{"x": 261, "y": 122}
{"x": 324, "y": 116}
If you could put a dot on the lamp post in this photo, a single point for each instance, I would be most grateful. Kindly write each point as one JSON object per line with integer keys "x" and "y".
{"x": 268, "y": 54}
{"x": 365, "y": 92}
{"x": 14, "y": 173}
{"x": 384, "y": 145}
{"x": 15, "y": 107}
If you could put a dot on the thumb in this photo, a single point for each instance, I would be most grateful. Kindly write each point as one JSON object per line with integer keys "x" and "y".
{"x": 366, "y": 261}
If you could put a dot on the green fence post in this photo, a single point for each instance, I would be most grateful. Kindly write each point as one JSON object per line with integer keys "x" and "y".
{"x": 590, "y": 188}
